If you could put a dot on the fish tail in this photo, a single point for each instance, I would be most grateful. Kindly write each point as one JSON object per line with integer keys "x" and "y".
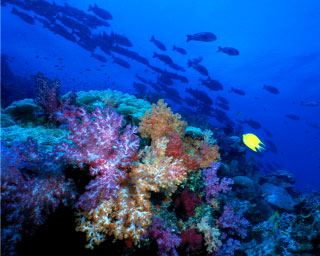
{"x": 90, "y": 8}
{"x": 152, "y": 39}
{"x": 155, "y": 55}
{"x": 219, "y": 49}
{"x": 189, "y": 63}
{"x": 14, "y": 10}
{"x": 189, "y": 38}
{"x": 174, "y": 48}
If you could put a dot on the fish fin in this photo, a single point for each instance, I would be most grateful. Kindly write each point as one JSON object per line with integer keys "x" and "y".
{"x": 155, "y": 55}
{"x": 189, "y": 38}
{"x": 174, "y": 48}
{"x": 189, "y": 63}
{"x": 14, "y": 10}
{"x": 152, "y": 39}
{"x": 90, "y": 8}
{"x": 219, "y": 49}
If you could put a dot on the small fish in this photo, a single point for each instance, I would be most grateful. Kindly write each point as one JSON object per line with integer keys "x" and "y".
{"x": 179, "y": 50}
{"x": 310, "y": 103}
{"x": 238, "y": 91}
{"x": 164, "y": 58}
{"x": 103, "y": 14}
{"x": 142, "y": 79}
{"x": 269, "y": 134}
{"x": 140, "y": 88}
{"x": 212, "y": 84}
{"x": 271, "y": 146}
{"x": 293, "y": 117}
{"x": 228, "y": 50}
{"x": 177, "y": 67}
{"x": 157, "y": 43}
{"x": 201, "y": 69}
{"x": 222, "y": 100}
{"x": 313, "y": 125}
{"x": 252, "y": 142}
{"x": 121, "y": 62}
{"x": 253, "y": 124}
{"x": 202, "y": 36}
{"x": 25, "y": 17}
{"x": 271, "y": 89}
{"x": 99, "y": 57}
{"x": 223, "y": 106}
{"x": 120, "y": 39}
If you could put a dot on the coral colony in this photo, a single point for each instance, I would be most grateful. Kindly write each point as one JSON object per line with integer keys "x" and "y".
{"x": 131, "y": 173}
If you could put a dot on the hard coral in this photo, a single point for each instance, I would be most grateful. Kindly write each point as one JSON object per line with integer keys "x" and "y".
{"x": 160, "y": 122}
{"x": 96, "y": 140}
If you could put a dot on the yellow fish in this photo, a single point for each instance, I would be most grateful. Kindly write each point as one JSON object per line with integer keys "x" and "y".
{"x": 253, "y": 142}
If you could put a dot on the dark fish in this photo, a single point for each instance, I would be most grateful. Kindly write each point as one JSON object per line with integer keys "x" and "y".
{"x": 200, "y": 95}
{"x": 177, "y": 67}
{"x": 120, "y": 39}
{"x": 61, "y": 30}
{"x": 222, "y": 100}
{"x": 194, "y": 61}
{"x": 238, "y": 91}
{"x": 271, "y": 89}
{"x": 271, "y": 146}
{"x": 310, "y": 103}
{"x": 121, "y": 62}
{"x": 164, "y": 58}
{"x": 253, "y": 124}
{"x": 73, "y": 24}
{"x": 293, "y": 117}
{"x": 103, "y": 14}
{"x": 165, "y": 78}
{"x": 142, "y": 79}
{"x": 313, "y": 125}
{"x": 130, "y": 54}
{"x": 221, "y": 116}
{"x": 269, "y": 134}
{"x": 200, "y": 68}
{"x": 99, "y": 57}
{"x": 179, "y": 50}
{"x": 223, "y": 106}
{"x": 157, "y": 43}
{"x": 212, "y": 84}
{"x": 25, "y": 17}
{"x": 228, "y": 50}
{"x": 202, "y": 36}
{"x": 140, "y": 88}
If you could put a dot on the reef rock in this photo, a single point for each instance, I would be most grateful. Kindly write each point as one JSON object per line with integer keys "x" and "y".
{"x": 22, "y": 110}
{"x": 277, "y": 196}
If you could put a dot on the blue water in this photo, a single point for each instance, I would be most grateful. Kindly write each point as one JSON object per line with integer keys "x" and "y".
{"x": 278, "y": 43}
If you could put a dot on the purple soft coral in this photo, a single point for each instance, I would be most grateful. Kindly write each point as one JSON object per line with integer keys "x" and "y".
{"x": 97, "y": 142}
{"x": 166, "y": 240}
{"x": 215, "y": 185}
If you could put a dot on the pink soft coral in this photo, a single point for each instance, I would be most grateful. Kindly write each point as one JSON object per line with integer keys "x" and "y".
{"x": 97, "y": 142}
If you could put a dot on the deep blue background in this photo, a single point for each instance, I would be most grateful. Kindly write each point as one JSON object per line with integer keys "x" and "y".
{"x": 278, "y": 43}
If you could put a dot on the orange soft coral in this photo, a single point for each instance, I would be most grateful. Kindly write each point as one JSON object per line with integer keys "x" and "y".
{"x": 160, "y": 121}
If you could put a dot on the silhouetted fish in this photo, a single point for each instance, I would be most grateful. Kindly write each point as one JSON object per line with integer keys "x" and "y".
{"x": 293, "y": 117}
{"x": 121, "y": 62}
{"x": 177, "y": 67}
{"x": 253, "y": 124}
{"x": 212, "y": 84}
{"x": 157, "y": 43}
{"x": 200, "y": 95}
{"x": 103, "y": 14}
{"x": 164, "y": 58}
{"x": 269, "y": 134}
{"x": 120, "y": 39}
{"x": 99, "y": 57}
{"x": 238, "y": 91}
{"x": 271, "y": 89}
{"x": 25, "y": 17}
{"x": 202, "y": 36}
{"x": 140, "y": 88}
{"x": 313, "y": 125}
{"x": 223, "y": 106}
{"x": 222, "y": 100}
{"x": 142, "y": 79}
{"x": 228, "y": 50}
{"x": 73, "y": 24}
{"x": 179, "y": 50}
{"x": 271, "y": 146}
